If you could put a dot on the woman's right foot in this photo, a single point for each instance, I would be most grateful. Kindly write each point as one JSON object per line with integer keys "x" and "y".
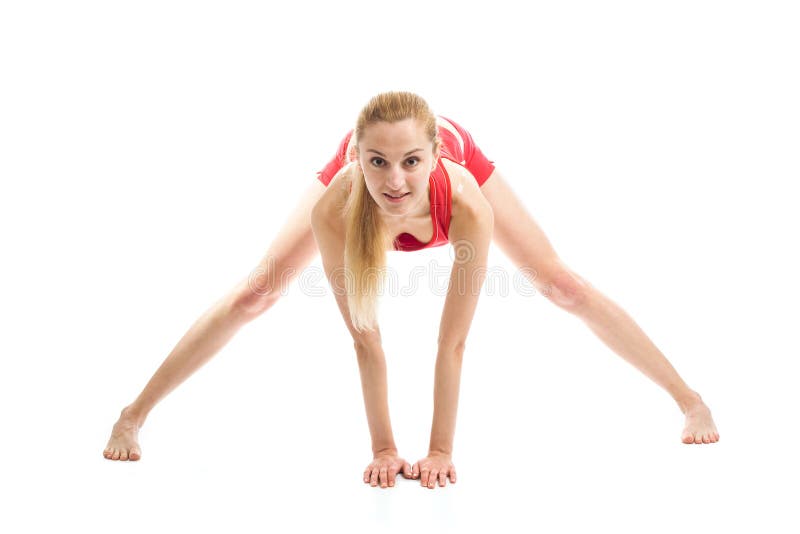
{"x": 124, "y": 442}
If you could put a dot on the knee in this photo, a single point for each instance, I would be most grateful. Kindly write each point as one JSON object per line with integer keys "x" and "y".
{"x": 565, "y": 288}
{"x": 253, "y": 296}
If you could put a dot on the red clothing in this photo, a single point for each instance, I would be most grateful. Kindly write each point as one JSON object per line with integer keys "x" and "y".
{"x": 440, "y": 194}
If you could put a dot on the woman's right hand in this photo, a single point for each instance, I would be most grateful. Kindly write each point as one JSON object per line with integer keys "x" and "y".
{"x": 384, "y": 469}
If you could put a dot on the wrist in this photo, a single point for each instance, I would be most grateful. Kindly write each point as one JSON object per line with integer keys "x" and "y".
{"x": 386, "y": 451}
{"x": 439, "y": 451}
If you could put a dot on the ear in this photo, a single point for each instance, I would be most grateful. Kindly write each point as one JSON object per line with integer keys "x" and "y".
{"x": 437, "y": 150}
{"x": 352, "y": 153}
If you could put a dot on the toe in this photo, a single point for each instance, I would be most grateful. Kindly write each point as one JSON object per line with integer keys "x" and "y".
{"x": 706, "y": 439}
{"x": 107, "y": 453}
{"x": 115, "y": 454}
{"x": 135, "y": 454}
{"x": 123, "y": 455}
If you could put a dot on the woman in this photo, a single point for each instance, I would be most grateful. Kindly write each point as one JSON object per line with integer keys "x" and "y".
{"x": 404, "y": 179}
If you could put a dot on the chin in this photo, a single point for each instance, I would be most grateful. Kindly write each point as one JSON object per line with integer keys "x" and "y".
{"x": 407, "y": 204}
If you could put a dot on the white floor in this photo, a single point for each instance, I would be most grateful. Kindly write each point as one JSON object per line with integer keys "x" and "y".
{"x": 556, "y": 435}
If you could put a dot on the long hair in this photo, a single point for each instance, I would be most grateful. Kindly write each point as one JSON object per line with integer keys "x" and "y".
{"x": 367, "y": 238}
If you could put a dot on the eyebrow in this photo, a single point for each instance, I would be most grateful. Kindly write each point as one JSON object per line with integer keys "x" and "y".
{"x": 404, "y": 155}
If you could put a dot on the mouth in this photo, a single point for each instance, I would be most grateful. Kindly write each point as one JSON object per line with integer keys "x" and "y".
{"x": 399, "y": 198}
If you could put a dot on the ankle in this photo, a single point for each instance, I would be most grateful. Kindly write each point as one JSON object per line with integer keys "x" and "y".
{"x": 133, "y": 414}
{"x": 688, "y": 400}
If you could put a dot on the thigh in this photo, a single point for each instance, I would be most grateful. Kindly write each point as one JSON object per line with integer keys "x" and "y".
{"x": 515, "y": 230}
{"x": 292, "y": 249}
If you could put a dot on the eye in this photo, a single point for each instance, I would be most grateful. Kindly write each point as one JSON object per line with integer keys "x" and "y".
{"x": 412, "y": 162}
{"x": 377, "y": 161}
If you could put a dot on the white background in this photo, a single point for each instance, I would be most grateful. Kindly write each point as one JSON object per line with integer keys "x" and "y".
{"x": 149, "y": 152}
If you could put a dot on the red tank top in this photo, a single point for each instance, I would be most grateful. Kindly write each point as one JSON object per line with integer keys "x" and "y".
{"x": 440, "y": 194}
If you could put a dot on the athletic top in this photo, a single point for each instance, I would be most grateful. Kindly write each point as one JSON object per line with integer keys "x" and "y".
{"x": 440, "y": 195}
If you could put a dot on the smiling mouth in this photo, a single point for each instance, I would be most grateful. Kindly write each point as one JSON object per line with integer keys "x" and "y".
{"x": 396, "y": 197}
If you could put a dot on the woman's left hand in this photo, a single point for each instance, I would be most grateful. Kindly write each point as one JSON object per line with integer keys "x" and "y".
{"x": 436, "y": 465}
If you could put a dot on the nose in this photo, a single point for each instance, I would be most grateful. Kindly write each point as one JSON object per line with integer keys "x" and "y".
{"x": 395, "y": 179}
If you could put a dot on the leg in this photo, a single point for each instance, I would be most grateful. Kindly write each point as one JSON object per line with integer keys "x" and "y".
{"x": 291, "y": 251}
{"x": 521, "y": 239}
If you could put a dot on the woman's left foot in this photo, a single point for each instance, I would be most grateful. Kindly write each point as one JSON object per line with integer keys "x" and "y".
{"x": 699, "y": 424}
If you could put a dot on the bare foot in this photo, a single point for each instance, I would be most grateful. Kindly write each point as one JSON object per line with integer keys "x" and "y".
{"x": 124, "y": 441}
{"x": 699, "y": 424}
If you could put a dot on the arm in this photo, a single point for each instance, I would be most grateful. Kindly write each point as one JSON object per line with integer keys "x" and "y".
{"x": 471, "y": 229}
{"x": 328, "y": 228}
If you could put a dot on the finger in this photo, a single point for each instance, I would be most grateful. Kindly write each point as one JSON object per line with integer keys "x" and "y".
{"x": 393, "y": 474}
{"x": 384, "y": 477}
{"x": 407, "y": 471}
{"x": 432, "y": 478}
{"x": 424, "y": 476}
{"x": 442, "y": 478}
{"x": 373, "y": 480}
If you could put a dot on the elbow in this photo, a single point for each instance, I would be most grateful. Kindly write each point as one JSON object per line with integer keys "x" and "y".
{"x": 367, "y": 343}
{"x": 452, "y": 346}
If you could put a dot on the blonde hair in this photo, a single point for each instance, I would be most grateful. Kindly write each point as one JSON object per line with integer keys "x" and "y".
{"x": 366, "y": 238}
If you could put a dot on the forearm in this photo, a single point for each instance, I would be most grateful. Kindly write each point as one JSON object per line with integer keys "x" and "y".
{"x": 372, "y": 366}
{"x": 445, "y": 400}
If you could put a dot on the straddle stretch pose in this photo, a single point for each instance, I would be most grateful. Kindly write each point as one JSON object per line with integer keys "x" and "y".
{"x": 405, "y": 179}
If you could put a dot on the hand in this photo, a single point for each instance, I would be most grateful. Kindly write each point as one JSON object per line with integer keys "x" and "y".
{"x": 437, "y": 465}
{"x": 384, "y": 469}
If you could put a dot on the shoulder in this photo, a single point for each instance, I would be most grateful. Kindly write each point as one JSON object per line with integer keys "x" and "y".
{"x": 448, "y": 125}
{"x": 329, "y": 209}
{"x": 470, "y": 211}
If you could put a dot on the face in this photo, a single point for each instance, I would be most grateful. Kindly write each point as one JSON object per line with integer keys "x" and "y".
{"x": 397, "y": 160}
